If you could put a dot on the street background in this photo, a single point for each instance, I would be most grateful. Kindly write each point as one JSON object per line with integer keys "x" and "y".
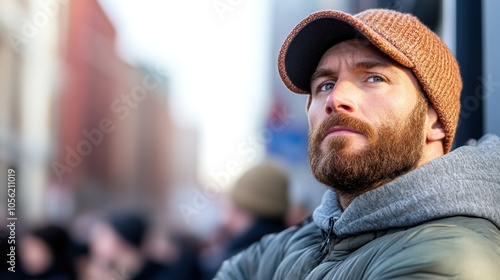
{"x": 162, "y": 105}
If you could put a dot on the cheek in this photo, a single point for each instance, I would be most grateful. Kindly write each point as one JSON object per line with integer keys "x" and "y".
{"x": 377, "y": 113}
{"x": 314, "y": 115}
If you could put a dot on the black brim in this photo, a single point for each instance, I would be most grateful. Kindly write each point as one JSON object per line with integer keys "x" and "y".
{"x": 309, "y": 45}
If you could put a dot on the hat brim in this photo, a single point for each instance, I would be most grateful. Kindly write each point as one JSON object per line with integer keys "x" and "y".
{"x": 314, "y": 35}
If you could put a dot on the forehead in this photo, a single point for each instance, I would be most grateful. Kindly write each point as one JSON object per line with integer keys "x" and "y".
{"x": 355, "y": 50}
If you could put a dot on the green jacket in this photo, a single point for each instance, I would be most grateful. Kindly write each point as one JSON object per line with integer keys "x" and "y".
{"x": 451, "y": 248}
{"x": 440, "y": 221}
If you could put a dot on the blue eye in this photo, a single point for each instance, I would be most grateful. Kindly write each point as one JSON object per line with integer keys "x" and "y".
{"x": 327, "y": 86}
{"x": 375, "y": 79}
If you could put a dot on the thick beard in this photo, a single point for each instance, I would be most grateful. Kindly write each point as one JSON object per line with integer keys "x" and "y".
{"x": 393, "y": 149}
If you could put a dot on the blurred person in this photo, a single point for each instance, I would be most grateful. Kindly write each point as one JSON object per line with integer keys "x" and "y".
{"x": 45, "y": 254}
{"x": 80, "y": 257}
{"x": 257, "y": 206}
{"x": 297, "y": 214}
{"x": 79, "y": 230}
{"x": 116, "y": 248}
{"x": 383, "y": 107}
{"x": 177, "y": 251}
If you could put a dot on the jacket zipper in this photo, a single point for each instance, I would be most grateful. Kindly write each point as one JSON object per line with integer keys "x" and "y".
{"x": 325, "y": 247}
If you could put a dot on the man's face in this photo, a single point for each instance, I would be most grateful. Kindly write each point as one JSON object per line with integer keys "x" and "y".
{"x": 366, "y": 118}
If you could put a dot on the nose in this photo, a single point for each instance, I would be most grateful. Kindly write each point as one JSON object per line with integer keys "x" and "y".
{"x": 341, "y": 98}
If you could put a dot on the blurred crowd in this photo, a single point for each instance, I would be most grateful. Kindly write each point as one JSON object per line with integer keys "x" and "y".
{"x": 133, "y": 244}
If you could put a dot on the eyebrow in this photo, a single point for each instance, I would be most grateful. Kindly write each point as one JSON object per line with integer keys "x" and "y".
{"x": 321, "y": 72}
{"x": 365, "y": 64}
{"x": 369, "y": 64}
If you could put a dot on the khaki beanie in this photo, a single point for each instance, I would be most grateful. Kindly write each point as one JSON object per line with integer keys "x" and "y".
{"x": 262, "y": 191}
{"x": 401, "y": 36}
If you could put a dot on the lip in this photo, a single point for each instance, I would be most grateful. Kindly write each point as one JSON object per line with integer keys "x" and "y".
{"x": 341, "y": 130}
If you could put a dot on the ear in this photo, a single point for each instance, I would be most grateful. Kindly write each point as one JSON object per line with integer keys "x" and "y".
{"x": 434, "y": 128}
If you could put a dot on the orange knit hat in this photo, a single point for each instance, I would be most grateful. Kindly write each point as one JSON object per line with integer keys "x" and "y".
{"x": 401, "y": 36}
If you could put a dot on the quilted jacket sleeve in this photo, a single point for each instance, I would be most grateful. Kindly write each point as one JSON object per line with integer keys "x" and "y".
{"x": 247, "y": 264}
{"x": 276, "y": 256}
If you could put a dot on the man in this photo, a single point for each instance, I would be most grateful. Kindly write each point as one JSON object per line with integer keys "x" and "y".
{"x": 383, "y": 109}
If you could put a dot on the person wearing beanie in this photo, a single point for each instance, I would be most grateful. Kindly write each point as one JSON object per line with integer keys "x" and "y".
{"x": 259, "y": 198}
{"x": 257, "y": 205}
{"x": 383, "y": 104}
{"x": 262, "y": 191}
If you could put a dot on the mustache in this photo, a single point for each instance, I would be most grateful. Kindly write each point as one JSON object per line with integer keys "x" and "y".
{"x": 343, "y": 120}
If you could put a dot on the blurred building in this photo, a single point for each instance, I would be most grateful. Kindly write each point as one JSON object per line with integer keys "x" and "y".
{"x": 114, "y": 126}
{"x": 489, "y": 81}
{"x": 31, "y": 41}
{"x": 85, "y": 129}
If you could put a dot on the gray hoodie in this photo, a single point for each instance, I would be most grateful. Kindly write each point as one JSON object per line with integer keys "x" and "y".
{"x": 464, "y": 182}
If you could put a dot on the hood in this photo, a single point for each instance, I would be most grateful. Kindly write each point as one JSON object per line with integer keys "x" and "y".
{"x": 464, "y": 182}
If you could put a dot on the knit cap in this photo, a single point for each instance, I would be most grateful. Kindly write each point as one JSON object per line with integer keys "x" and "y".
{"x": 400, "y": 36}
{"x": 262, "y": 191}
